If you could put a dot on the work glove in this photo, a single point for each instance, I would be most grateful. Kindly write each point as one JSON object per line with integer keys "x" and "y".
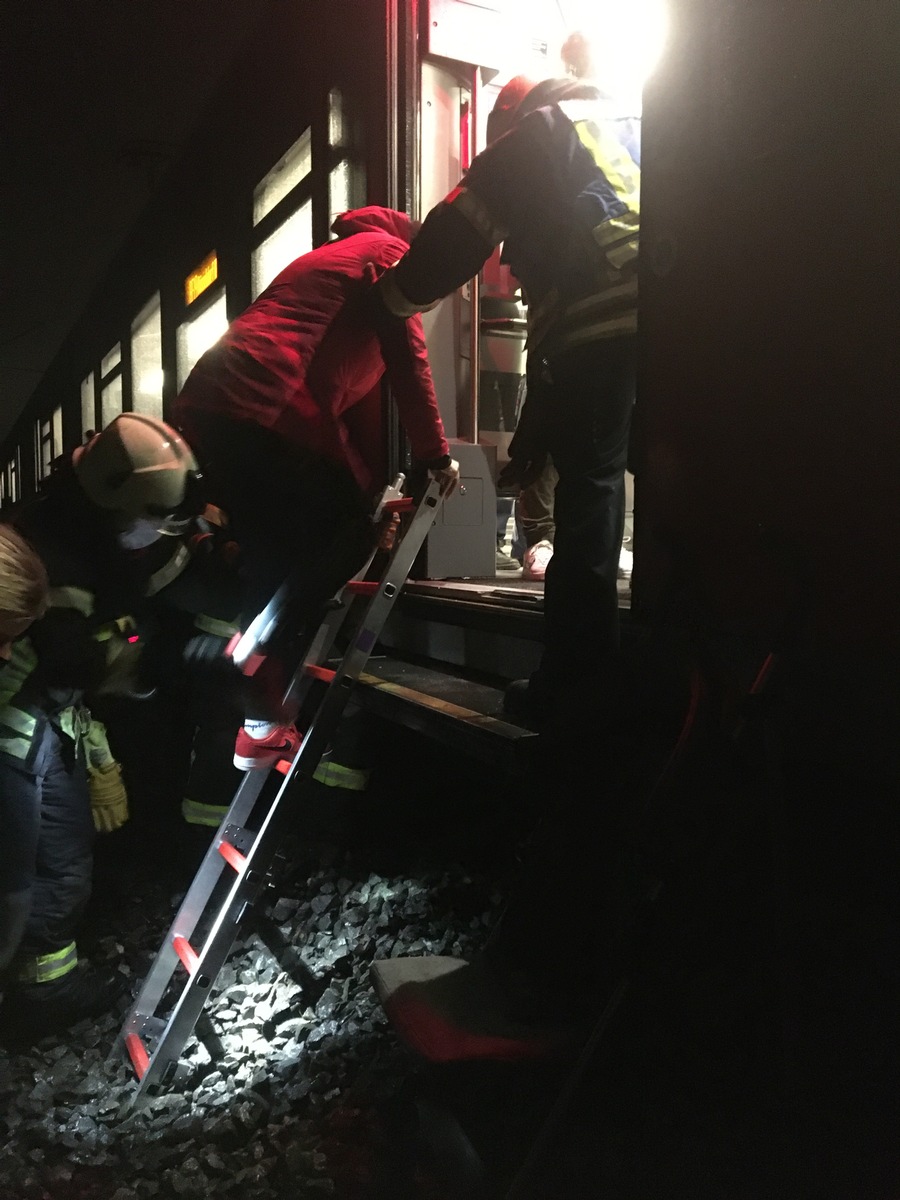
{"x": 109, "y": 800}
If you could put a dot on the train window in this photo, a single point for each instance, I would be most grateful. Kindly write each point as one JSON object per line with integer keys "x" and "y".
{"x": 111, "y": 401}
{"x": 339, "y": 190}
{"x": 43, "y": 447}
{"x": 88, "y": 405}
{"x": 58, "y": 446}
{"x": 199, "y": 333}
{"x": 292, "y": 238}
{"x": 337, "y": 130}
{"x": 110, "y": 361}
{"x": 11, "y": 479}
{"x": 146, "y": 361}
{"x": 292, "y": 168}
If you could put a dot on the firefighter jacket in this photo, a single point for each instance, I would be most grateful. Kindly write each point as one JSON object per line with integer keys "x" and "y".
{"x": 305, "y": 357}
{"x": 561, "y": 191}
{"x": 92, "y": 602}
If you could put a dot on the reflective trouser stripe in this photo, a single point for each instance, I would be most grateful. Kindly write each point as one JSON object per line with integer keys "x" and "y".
{"x": 15, "y": 747}
{"x": 47, "y": 967}
{"x": 333, "y": 774}
{"x": 18, "y": 721}
{"x": 196, "y": 813}
{"x": 223, "y": 629}
{"x": 73, "y": 597}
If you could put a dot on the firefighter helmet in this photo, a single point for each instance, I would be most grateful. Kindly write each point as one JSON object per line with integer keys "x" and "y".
{"x": 522, "y": 95}
{"x": 140, "y": 468}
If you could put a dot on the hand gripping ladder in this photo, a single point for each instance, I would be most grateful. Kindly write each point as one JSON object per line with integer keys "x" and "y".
{"x": 239, "y": 859}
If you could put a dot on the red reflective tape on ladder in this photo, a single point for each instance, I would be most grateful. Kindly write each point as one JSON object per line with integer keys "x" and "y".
{"x": 324, "y": 673}
{"x": 232, "y": 855}
{"x": 363, "y": 587}
{"x": 185, "y": 951}
{"x": 404, "y": 504}
{"x": 137, "y": 1052}
{"x": 232, "y": 645}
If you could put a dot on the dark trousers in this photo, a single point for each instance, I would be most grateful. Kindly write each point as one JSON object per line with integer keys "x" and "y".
{"x": 298, "y": 518}
{"x": 585, "y": 399}
{"x": 49, "y": 836}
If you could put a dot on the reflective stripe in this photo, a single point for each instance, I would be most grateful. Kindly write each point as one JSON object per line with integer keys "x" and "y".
{"x": 468, "y": 204}
{"x": 225, "y": 629}
{"x": 15, "y": 747}
{"x": 611, "y": 156}
{"x": 333, "y": 774}
{"x": 47, "y": 967}
{"x": 72, "y": 597}
{"x": 611, "y": 312}
{"x": 21, "y": 664}
{"x": 196, "y": 813}
{"x": 168, "y": 571}
{"x": 16, "y": 719}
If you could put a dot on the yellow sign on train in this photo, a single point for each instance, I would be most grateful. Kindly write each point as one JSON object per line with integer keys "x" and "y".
{"x": 201, "y": 278}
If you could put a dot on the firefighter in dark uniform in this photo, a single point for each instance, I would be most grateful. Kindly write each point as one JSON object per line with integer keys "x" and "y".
{"x": 559, "y": 186}
{"x": 57, "y": 772}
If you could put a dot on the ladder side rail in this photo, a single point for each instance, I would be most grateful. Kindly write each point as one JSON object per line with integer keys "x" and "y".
{"x": 392, "y": 582}
{"x": 252, "y": 877}
{"x": 194, "y": 903}
{"x": 220, "y": 939}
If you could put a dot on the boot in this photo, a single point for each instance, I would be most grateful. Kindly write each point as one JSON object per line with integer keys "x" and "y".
{"x": 33, "y": 1011}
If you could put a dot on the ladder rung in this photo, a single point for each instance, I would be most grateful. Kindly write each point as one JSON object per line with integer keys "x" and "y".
{"x": 363, "y": 587}
{"x": 232, "y": 855}
{"x": 326, "y": 674}
{"x": 137, "y": 1052}
{"x": 185, "y": 952}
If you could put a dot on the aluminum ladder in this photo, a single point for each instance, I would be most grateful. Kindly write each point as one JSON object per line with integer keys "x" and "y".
{"x": 239, "y": 859}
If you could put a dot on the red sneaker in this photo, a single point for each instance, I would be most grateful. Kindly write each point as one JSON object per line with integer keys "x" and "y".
{"x": 254, "y": 754}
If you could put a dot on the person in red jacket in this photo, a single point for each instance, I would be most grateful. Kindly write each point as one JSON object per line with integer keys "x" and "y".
{"x": 284, "y": 416}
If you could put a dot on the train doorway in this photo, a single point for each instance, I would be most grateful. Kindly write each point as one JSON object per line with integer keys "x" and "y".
{"x": 477, "y": 337}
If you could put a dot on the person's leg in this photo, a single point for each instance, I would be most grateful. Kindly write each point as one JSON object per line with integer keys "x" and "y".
{"x": 20, "y": 807}
{"x": 535, "y": 507}
{"x": 592, "y": 393}
{"x": 47, "y": 992}
{"x": 62, "y": 884}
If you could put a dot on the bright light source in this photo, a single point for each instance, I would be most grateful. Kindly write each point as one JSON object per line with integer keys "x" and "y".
{"x": 626, "y": 42}
{"x": 151, "y": 383}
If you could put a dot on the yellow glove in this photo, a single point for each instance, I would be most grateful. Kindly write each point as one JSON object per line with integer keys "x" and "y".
{"x": 109, "y": 800}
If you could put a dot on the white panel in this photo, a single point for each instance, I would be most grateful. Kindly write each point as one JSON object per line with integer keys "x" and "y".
{"x": 338, "y": 190}
{"x": 58, "y": 431}
{"x": 111, "y": 401}
{"x": 198, "y": 335}
{"x": 111, "y": 360}
{"x": 291, "y": 169}
{"x": 146, "y": 361}
{"x": 88, "y": 416}
{"x": 289, "y": 241}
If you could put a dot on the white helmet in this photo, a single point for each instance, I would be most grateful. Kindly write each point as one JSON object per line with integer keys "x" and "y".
{"x": 140, "y": 468}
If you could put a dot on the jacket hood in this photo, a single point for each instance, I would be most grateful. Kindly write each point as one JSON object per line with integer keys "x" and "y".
{"x": 375, "y": 219}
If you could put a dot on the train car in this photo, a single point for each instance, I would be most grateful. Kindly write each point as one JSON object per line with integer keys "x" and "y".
{"x": 763, "y": 408}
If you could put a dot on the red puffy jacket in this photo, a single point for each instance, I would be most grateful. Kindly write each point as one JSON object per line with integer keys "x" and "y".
{"x": 304, "y": 359}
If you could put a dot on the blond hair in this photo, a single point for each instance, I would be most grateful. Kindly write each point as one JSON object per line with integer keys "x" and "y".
{"x": 23, "y": 579}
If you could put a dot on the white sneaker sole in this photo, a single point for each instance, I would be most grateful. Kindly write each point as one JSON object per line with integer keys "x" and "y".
{"x": 259, "y": 762}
